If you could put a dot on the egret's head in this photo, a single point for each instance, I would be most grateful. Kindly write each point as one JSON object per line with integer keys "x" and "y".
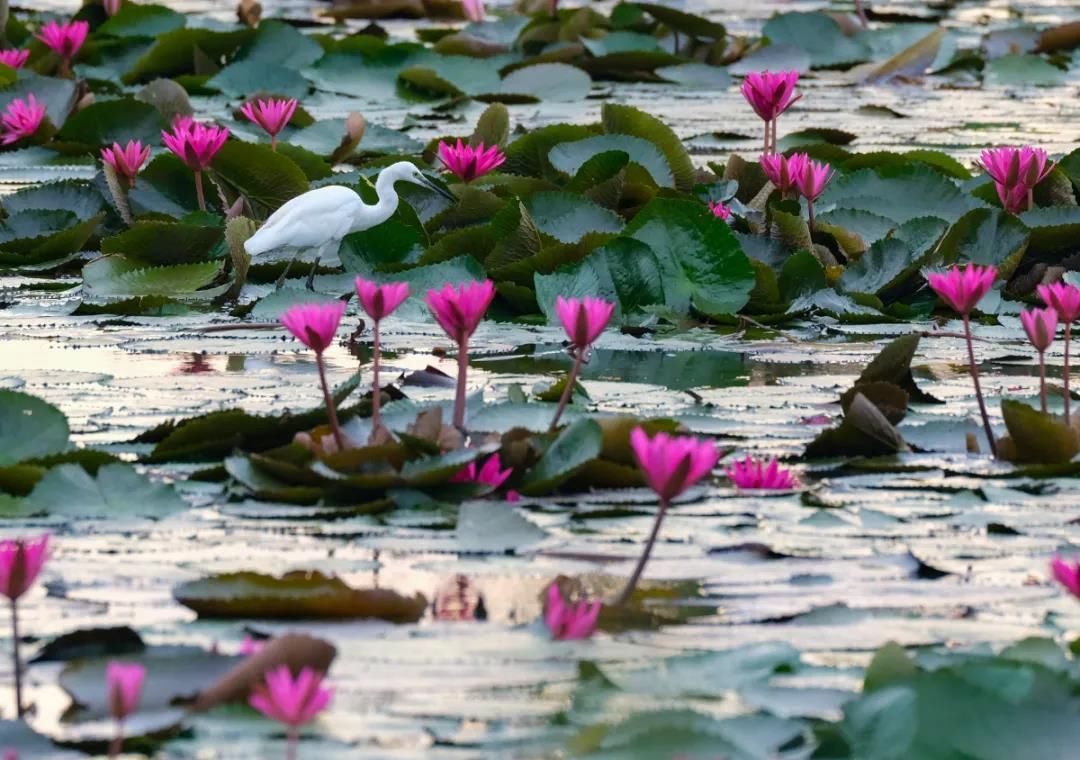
{"x": 408, "y": 172}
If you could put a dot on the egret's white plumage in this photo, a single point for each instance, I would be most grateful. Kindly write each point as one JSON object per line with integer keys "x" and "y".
{"x": 318, "y": 219}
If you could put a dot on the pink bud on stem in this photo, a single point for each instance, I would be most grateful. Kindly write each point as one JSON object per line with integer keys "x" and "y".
{"x": 20, "y": 562}
{"x": 583, "y": 321}
{"x": 315, "y": 325}
{"x": 1040, "y": 326}
{"x": 458, "y": 310}
{"x": 379, "y": 301}
{"x": 1066, "y": 301}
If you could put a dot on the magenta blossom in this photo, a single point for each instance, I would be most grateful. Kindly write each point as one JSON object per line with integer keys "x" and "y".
{"x": 720, "y": 210}
{"x": 196, "y": 145}
{"x": 770, "y": 94}
{"x": 1063, "y": 297}
{"x": 314, "y": 324}
{"x": 272, "y": 115}
{"x": 783, "y": 171}
{"x": 65, "y": 40}
{"x": 458, "y": 310}
{"x": 250, "y": 646}
{"x": 963, "y": 288}
{"x": 470, "y": 161}
{"x": 126, "y": 161}
{"x": 20, "y": 562}
{"x": 583, "y": 320}
{"x": 16, "y": 59}
{"x": 124, "y": 682}
{"x": 1016, "y": 172}
{"x": 755, "y": 474}
{"x": 21, "y": 119}
{"x": 293, "y": 702}
{"x": 1066, "y": 302}
{"x": 812, "y": 178}
{"x": 1067, "y": 574}
{"x": 380, "y": 301}
{"x": 568, "y": 622}
{"x": 474, "y": 10}
{"x": 672, "y": 463}
{"x": 1040, "y": 326}
{"x": 490, "y": 474}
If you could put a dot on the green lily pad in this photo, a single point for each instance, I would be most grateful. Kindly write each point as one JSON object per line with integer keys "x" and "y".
{"x": 117, "y": 489}
{"x": 29, "y": 427}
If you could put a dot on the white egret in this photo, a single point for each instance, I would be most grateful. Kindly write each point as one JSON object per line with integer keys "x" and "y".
{"x": 318, "y": 219}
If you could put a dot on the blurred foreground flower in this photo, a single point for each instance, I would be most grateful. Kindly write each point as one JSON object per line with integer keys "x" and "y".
{"x": 21, "y": 119}
{"x": 20, "y": 563}
{"x": 1065, "y": 299}
{"x": 293, "y": 702}
{"x": 566, "y": 621}
{"x": 123, "y": 685}
{"x": 14, "y": 58}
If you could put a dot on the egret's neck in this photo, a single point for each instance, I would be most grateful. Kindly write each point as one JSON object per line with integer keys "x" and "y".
{"x": 386, "y": 205}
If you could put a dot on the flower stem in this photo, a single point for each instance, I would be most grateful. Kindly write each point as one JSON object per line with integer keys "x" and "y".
{"x": 376, "y": 389}
{"x": 331, "y": 412}
{"x": 15, "y": 658}
{"x": 1065, "y": 369}
{"x": 1031, "y": 198}
{"x": 978, "y": 387}
{"x": 766, "y": 148}
{"x": 116, "y": 746}
{"x": 459, "y": 396}
{"x": 810, "y": 210}
{"x": 294, "y": 742}
{"x": 571, "y": 379}
{"x": 199, "y": 191}
{"x": 1042, "y": 381}
{"x": 624, "y": 597}
{"x": 273, "y": 143}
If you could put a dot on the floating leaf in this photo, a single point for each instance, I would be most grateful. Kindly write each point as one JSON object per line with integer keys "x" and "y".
{"x": 29, "y": 427}
{"x": 1035, "y": 436}
{"x": 575, "y": 446}
{"x": 116, "y": 490}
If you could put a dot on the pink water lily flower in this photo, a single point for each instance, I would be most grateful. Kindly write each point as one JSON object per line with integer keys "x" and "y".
{"x": 380, "y": 301}
{"x": 566, "y": 621}
{"x": 490, "y": 474}
{"x": 474, "y": 10}
{"x": 963, "y": 288}
{"x": 783, "y": 171}
{"x": 458, "y": 310}
{"x": 65, "y": 40}
{"x": 21, "y": 119}
{"x": 1040, "y": 326}
{"x": 21, "y": 561}
{"x": 1016, "y": 172}
{"x": 812, "y": 178}
{"x": 292, "y": 701}
{"x": 583, "y": 321}
{"x": 672, "y": 463}
{"x": 720, "y": 210}
{"x": 315, "y": 325}
{"x": 124, "y": 683}
{"x": 756, "y": 474}
{"x": 14, "y": 58}
{"x": 196, "y": 145}
{"x": 1067, "y": 574}
{"x": 126, "y": 161}
{"x": 770, "y": 94}
{"x": 470, "y": 161}
{"x": 272, "y": 115}
{"x": 1065, "y": 299}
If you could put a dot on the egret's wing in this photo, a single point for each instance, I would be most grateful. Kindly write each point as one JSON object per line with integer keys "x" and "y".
{"x": 308, "y": 221}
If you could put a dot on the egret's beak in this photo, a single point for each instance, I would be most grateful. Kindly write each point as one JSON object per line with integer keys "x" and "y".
{"x": 436, "y": 187}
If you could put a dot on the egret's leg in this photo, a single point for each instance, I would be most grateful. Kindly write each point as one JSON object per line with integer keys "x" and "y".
{"x": 311, "y": 274}
{"x": 284, "y": 274}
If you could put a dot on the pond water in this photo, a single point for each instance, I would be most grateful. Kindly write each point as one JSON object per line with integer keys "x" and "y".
{"x": 925, "y": 549}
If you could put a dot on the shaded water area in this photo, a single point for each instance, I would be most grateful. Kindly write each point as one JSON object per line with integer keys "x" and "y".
{"x": 925, "y": 549}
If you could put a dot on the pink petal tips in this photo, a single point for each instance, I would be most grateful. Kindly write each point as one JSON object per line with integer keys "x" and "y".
{"x": 64, "y": 39}
{"x": 583, "y": 320}
{"x": 569, "y": 621}
{"x": 459, "y": 309}
{"x": 272, "y": 114}
{"x": 128, "y": 160}
{"x": 963, "y": 288}
{"x": 124, "y": 683}
{"x": 1040, "y": 326}
{"x": 20, "y": 562}
{"x": 21, "y": 119}
{"x": 756, "y": 474}
{"x": 314, "y": 324}
{"x": 769, "y": 93}
{"x": 783, "y": 171}
{"x": 720, "y": 210}
{"x": 490, "y": 473}
{"x": 16, "y": 59}
{"x": 1064, "y": 298}
{"x": 672, "y": 463}
{"x": 1067, "y": 574}
{"x": 1016, "y": 172}
{"x": 288, "y": 700}
{"x": 812, "y": 178}
{"x": 470, "y": 161}
{"x": 380, "y": 301}
{"x": 194, "y": 143}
